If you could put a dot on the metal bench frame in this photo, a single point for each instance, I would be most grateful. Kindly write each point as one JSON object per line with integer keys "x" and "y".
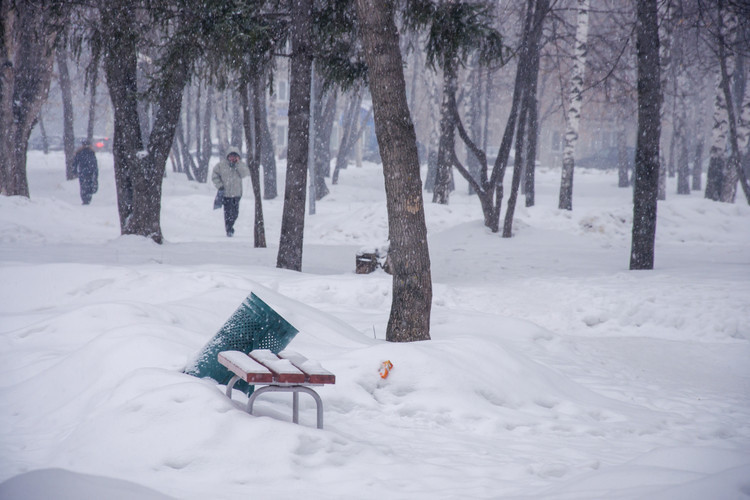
{"x": 295, "y": 389}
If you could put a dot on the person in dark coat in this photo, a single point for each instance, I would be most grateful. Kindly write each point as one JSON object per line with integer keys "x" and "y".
{"x": 84, "y": 163}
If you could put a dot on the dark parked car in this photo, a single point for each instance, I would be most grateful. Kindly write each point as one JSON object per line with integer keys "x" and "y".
{"x": 606, "y": 159}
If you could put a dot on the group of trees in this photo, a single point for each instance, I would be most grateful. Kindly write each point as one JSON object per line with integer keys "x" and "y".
{"x": 171, "y": 66}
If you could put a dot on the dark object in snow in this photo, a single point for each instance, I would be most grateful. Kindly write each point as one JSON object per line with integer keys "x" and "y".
{"x": 254, "y": 325}
{"x": 219, "y": 200}
{"x": 367, "y": 261}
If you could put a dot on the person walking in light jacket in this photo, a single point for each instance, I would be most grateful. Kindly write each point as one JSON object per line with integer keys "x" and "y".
{"x": 228, "y": 175}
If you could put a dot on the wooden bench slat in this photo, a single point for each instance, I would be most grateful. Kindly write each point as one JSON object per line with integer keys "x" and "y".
{"x": 314, "y": 372}
{"x": 245, "y": 367}
{"x": 283, "y": 370}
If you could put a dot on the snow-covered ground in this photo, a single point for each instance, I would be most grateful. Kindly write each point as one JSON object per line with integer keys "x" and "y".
{"x": 553, "y": 371}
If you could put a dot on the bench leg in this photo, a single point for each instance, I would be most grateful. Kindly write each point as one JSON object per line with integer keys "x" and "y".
{"x": 230, "y": 386}
{"x": 295, "y": 407}
{"x": 295, "y": 390}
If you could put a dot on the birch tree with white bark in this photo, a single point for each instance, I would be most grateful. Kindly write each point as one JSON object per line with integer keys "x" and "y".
{"x": 720, "y": 129}
{"x": 732, "y": 69}
{"x": 666, "y": 35}
{"x": 573, "y": 117}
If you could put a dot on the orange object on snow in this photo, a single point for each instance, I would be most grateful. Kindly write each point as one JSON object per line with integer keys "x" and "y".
{"x": 385, "y": 368}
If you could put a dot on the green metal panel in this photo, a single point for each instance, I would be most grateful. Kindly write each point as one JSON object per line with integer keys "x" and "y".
{"x": 254, "y": 325}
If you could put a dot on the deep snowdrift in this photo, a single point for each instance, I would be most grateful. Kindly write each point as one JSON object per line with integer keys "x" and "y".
{"x": 553, "y": 371}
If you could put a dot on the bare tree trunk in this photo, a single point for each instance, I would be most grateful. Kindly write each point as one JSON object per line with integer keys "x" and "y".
{"x": 662, "y": 184}
{"x": 698, "y": 165}
{"x": 726, "y": 35}
{"x": 27, "y": 36}
{"x": 718, "y": 145}
{"x": 293, "y": 218}
{"x": 259, "y": 101}
{"x": 733, "y": 171}
{"x": 139, "y": 173}
{"x": 222, "y": 120}
{"x": 435, "y": 122}
{"x": 69, "y": 138}
{"x": 717, "y": 163}
{"x": 683, "y": 165}
{"x": 487, "y": 100}
{"x": 270, "y": 190}
{"x": 408, "y": 253}
{"x": 120, "y": 63}
{"x": 350, "y": 124}
{"x": 574, "y": 111}
{"x": 518, "y": 163}
{"x": 93, "y": 84}
{"x": 198, "y": 126}
{"x": 204, "y": 156}
{"x": 533, "y": 125}
{"x": 667, "y": 61}
{"x": 236, "y": 128}
{"x": 325, "y": 126}
{"x": 474, "y": 112}
{"x": 682, "y": 85}
{"x": 649, "y": 132}
{"x": 528, "y": 105}
{"x": 187, "y": 113}
{"x": 175, "y": 156}
{"x": 187, "y": 159}
{"x": 323, "y": 109}
{"x": 43, "y": 133}
{"x": 623, "y": 162}
{"x": 447, "y": 145}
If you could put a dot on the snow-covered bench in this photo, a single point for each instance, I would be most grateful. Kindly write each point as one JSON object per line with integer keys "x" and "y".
{"x": 286, "y": 372}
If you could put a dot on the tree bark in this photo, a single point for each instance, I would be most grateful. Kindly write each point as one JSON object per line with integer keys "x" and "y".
{"x": 43, "y": 133}
{"x": 408, "y": 253}
{"x": 733, "y": 171}
{"x": 649, "y": 132}
{"x": 680, "y": 109}
{"x": 717, "y": 162}
{"x": 698, "y": 165}
{"x": 187, "y": 159}
{"x": 259, "y": 232}
{"x": 623, "y": 162}
{"x": 351, "y": 117}
{"x": 474, "y": 112}
{"x": 447, "y": 144}
{"x": 120, "y": 66}
{"x": 268, "y": 155}
{"x": 93, "y": 84}
{"x": 533, "y": 138}
{"x": 27, "y": 36}
{"x": 204, "y": 157}
{"x": 138, "y": 171}
{"x": 293, "y": 217}
{"x": 69, "y": 138}
{"x": 433, "y": 145}
{"x": 324, "y": 108}
{"x": 574, "y": 109}
{"x": 222, "y": 120}
{"x": 526, "y": 145}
